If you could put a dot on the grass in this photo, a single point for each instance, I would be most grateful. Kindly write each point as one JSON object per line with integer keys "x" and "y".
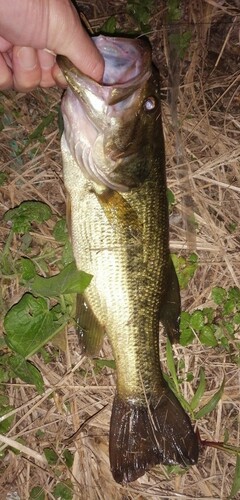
{"x": 40, "y": 459}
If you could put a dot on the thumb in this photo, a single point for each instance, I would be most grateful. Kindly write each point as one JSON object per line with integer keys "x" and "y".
{"x": 67, "y": 36}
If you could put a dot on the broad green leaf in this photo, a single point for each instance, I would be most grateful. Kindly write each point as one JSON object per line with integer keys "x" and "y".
{"x": 37, "y": 493}
{"x": 60, "y": 231}
{"x": 102, "y": 363}
{"x": 27, "y": 268}
{"x": 173, "y": 12}
{"x": 197, "y": 320}
{"x": 67, "y": 255}
{"x": 180, "y": 42}
{"x": 170, "y": 197}
{"x": 109, "y": 26}
{"x": 234, "y": 293}
{"x": 228, "y": 307}
{"x": 184, "y": 320}
{"x": 51, "y": 456}
{"x": 236, "y": 480}
{"x": 68, "y": 457}
{"x": 200, "y": 390}
{"x": 219, "y": 295}
{"x": 30, "y": 323}
{"x": 193, "y": 258}
{"x": 212, "y": 403}
{"x": 26, "y": 371}
{"x": 63, "y": 491}
{"x": 209, "y": 314}
{"x": 186, "y": 337}
{"x": 207, "y": 336}
{"x": 22, "y": 216}
{"x": 69, "y": 280}
{"x": 236, "y": 318}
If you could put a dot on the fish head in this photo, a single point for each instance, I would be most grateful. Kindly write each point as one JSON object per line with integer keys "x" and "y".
{"x": 110, "y": 126}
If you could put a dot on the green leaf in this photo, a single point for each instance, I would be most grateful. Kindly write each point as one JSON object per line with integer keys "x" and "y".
{"x": 181, "y": 42}
{"x": 37, "y": 493}
{"x": 22, "y": 216}
{"x": 110, "y": 26}
{"x": 67, "y": 255}
{"x": 30, "y": 323}
{"x": 236, "y": 319}
{"x": 209, "y": 314}
{"x": 174, "y": 12}
{"x": 63, "y": 491}
{"x": 197, "y": 320}
{"x": 60, "y": 232}
{"x": 236, "y": 480}
{"x": 212, "y": 403}
{"x": 200, "y": 390}
{"x": 228, "y": 307}
{"x": 185, "y": 320}
{"x": 234, "y": 293}
{"x": 51, "y": 456}
{"x": 193, "y": 258}
{"x": 207, "y": 336}
{"x": 27, "y": 268}
{"x": 219, "y": 295}
{"x": 170, "y": 197}
{"x": 171, "y": 364}
{"x": 69, "y": 280}
{"x": 102, "y": 363}
{"x": 26, "y": 371}
{"x": 68, "y": 457}
{"x": 186, "y": 337}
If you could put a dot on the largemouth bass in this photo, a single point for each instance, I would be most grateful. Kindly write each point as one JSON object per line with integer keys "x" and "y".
{"x": 114, "y": 174}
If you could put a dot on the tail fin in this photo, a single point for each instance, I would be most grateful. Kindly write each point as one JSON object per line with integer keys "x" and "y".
{"x": 142, "y": 436}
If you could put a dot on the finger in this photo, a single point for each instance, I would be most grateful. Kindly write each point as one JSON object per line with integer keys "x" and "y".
{"x": 67, "y": 36}
{"x": 46, "y": 61}
{"x": 26, "y": 68}
{"x": 59, "y": 77}
{"x": 4, "y": 45}
{"x": 6, "y": 77}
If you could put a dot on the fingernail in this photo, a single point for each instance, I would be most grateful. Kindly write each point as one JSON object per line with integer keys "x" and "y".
{"x": 27, "y": 58}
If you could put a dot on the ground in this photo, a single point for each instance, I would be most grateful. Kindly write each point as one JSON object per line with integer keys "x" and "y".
{"x": 203, "y": 152}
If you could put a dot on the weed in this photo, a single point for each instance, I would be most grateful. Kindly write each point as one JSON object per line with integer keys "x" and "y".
{"x": 214, "y": 326}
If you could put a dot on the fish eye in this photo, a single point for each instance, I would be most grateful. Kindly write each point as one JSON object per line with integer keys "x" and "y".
{"x": 150, "y": 103}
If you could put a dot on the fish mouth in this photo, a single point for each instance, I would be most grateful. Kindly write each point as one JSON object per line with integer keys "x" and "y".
{"x": 99, "y": 118}
{"x": 127, "y": 67}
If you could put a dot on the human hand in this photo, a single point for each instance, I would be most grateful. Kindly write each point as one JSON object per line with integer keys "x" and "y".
{"x": 27, "y": 29}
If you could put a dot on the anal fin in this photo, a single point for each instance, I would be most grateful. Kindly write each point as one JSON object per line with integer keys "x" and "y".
{"x": 90, "y": 331}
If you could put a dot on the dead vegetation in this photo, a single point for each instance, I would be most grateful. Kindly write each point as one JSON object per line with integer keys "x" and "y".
{"x": 209, "y": 176}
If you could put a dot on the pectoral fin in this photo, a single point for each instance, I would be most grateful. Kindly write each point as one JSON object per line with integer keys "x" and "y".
{"x": 119, "y": 212}
{"x": 90, "y": 331}
{"x": 170, "y": 311}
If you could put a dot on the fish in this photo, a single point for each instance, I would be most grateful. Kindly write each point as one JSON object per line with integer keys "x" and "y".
{"x": 115, "y": 178}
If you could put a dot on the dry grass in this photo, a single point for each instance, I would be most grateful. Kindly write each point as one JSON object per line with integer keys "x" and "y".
{"x": 209, "y": 176}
